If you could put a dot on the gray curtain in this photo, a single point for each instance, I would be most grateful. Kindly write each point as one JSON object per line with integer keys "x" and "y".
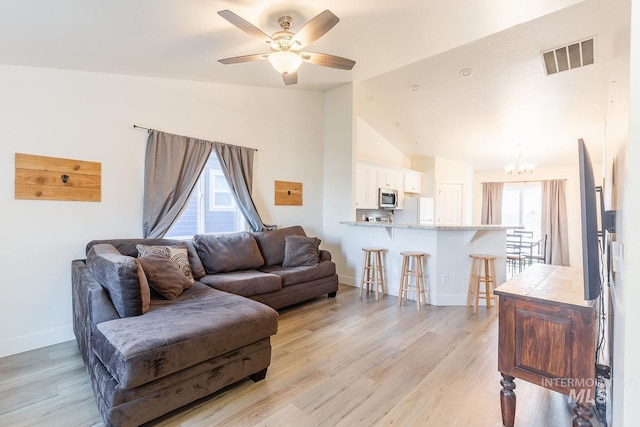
{"x": 554, "y": 221}
{"x": 173, "y": 164}
{"x": 237, "y": 166}
{"x": 492, "y": 203}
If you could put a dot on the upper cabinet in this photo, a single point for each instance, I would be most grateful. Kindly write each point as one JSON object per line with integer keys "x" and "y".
{"x": 412, "y": 181}
{"x": 366, "y": 186}
{"x": 387, "y": 178}
{"x": 371, "y": 176}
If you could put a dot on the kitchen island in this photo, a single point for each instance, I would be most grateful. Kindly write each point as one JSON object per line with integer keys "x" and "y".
{"x": 447, "y": 246}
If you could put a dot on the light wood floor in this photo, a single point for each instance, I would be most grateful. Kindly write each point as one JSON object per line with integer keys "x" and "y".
{"x": 336, "y": 362}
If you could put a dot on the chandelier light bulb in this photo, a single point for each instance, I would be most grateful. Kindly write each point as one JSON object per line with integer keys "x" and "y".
{"x": 520, "y": 167}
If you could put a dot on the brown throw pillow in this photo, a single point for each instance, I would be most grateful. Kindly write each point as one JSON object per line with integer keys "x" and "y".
{"x": 300, "y": 251}
{"x": 163, "y": 275}
{"x": 177, "y": 254}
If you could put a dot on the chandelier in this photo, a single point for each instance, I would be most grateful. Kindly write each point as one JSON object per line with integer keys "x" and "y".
{"x": 520, "y": 167}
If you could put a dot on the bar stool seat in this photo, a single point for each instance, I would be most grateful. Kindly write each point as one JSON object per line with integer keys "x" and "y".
{"x": 372, "y": 274}
{"x": 417, "y": 258}
{"x": 478, "y": 276}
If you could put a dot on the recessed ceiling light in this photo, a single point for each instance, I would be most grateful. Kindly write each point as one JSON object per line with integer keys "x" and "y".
{"x": 414, "y": 142}
{"x": 369, "y": 99}
{"x": 466, "y": 72}
{"x": 415, "y": 88}
{"x": 395, "y": 124}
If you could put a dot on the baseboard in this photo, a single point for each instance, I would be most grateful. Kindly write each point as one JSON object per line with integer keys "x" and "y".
{"x": 17, "y": 345}
{"x": 456, "y": 300}
{"x": 347, "y": 280}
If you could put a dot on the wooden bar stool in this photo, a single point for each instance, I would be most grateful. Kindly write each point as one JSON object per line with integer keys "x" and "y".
{"x": 372, "y": 271}
{"x": 417, "y": 272}
{"x": 477, "y": 276}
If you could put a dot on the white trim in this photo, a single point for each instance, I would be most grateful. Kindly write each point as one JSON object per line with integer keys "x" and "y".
{"x": 46, "y": 338}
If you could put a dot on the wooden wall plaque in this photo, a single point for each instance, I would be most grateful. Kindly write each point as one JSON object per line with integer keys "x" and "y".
{"x": 52, "y": 178}
{"x": 288, "y": 193}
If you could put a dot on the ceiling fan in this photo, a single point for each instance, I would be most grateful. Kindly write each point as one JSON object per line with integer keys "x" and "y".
{"x": 286, "y": 54}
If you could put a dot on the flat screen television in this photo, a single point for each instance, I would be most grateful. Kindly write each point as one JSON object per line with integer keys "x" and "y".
{"x": 589, "y": 216}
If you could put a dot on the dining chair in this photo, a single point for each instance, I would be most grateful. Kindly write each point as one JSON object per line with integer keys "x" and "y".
{"x": 515, "y": 258}
{"x": 526, "y": 234}
{"x": 541, "y": 256}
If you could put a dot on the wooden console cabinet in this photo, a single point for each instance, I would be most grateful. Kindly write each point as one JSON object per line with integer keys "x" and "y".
{"x": 547, "y": 337}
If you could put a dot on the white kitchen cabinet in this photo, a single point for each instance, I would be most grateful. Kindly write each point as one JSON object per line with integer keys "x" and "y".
{"x": 361, "y": 186}
{"x": 372, "y": 188}
{"x": 366, "y": 186}
{"x": 387, "y": 178}
{"x": 371, "y": 176}
{"x": 412, "y": 182}
{"x": 400, "y": 188}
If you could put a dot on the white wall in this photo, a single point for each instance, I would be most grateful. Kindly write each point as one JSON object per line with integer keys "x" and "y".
{"x": 370, "y": 145}
{"x": 570, "y": 173}
{"x": 622, "y": 182}
{"x": 426, "y": 165}
{"x": 339, "y": 173}
{"x": 89, "y": 116}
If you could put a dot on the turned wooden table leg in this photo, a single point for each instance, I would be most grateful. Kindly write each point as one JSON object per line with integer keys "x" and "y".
{"x": 508, "y": 400}
{"x": 583, "y": 415}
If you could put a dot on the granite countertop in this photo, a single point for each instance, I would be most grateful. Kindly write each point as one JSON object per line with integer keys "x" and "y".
{"x": 428, "y": 227}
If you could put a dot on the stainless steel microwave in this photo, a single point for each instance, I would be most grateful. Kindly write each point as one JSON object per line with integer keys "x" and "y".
{"x": 387, "y": 198}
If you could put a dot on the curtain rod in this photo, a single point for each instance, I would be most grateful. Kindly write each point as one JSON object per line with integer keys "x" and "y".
{"x": 523, "y": 182}
{"x": 135, "y": 126}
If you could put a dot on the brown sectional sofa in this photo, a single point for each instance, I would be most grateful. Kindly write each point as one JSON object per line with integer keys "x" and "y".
{"x": 145, "y": 362}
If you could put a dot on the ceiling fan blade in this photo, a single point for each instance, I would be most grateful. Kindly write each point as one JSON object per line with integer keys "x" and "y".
{"x": 327, "y": 60}
{"x": 245, "y": 58}
{"x": 290, "y": 79}
{"x": 315, "y": 28}
{"x": 245, "y": 26}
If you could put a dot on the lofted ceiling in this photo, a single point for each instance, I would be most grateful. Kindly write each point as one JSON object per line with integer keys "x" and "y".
{"x": 479, "y": 119}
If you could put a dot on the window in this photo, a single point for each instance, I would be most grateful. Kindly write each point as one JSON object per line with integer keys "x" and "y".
{"x": 220, "y": 197}
{"x": 522, "y": 205}
{"x": 211, "y": 209}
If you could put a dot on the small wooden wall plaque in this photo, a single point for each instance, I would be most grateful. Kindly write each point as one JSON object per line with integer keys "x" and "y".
{"x": 52, "y": 178}
{"x": 288, "y": 193}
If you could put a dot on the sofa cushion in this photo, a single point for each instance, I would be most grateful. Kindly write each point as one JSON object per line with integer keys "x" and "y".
{"x": 145, "y": 291}
{"x": 128, "y": 247}
{"x": 200, "y": 324}
{"x": 197, "y": 269}
{"x": 294, "y": 275}
{"x": 222, "y": 253}
{"x": 246, "y": 283}
{"x": 271, "y": 243}
{"x": 177, "y": 254}
{"x": 163, "y": 275}
{"x": 118, "y": 275}
{"x": 300, "y": 251}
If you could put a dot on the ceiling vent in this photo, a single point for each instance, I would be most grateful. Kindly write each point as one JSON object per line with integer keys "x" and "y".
{"x": 568, "y": 57}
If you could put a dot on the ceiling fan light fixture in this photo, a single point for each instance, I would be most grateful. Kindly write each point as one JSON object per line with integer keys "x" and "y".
{"x": 285, "y": 62}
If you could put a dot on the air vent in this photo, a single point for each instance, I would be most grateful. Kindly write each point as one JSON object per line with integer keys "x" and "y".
{"x": 568, "y": 57}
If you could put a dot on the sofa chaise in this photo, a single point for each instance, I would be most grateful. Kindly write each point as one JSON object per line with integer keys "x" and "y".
{"x": 161, "y": 323}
